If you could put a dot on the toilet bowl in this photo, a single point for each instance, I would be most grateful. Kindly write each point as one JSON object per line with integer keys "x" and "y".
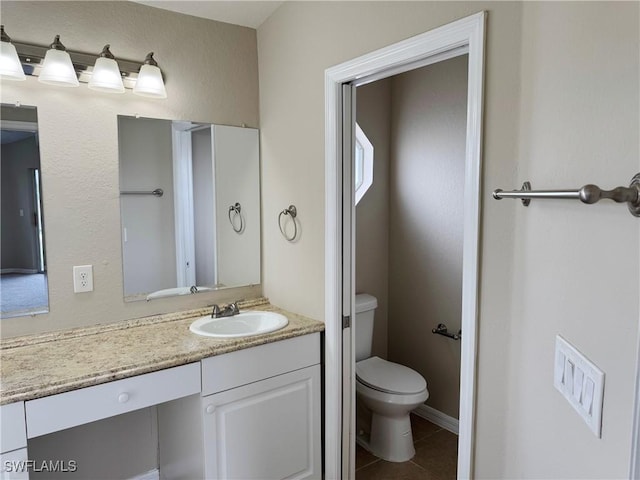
{"x": 389, "y": 390}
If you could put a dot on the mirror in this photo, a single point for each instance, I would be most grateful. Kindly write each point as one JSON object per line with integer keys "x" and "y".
{"x": 189, "y": 206}
{"x": 23, "y": 269}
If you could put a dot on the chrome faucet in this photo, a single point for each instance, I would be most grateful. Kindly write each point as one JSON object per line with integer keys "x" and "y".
{"x": 228, "y": 311}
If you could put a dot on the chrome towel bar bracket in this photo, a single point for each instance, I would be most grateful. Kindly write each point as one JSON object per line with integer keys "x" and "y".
{"x": 441, "y": 329}
{"x": 588, "y": 194}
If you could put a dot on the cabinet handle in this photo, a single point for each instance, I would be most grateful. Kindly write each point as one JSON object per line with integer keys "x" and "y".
{"x": 210, "y": 409}
{"x": 123, "y": 397}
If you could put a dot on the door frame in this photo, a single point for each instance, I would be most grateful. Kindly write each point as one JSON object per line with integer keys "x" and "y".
{"x": 423, "y": 49}
{"x": 634, "y": 471}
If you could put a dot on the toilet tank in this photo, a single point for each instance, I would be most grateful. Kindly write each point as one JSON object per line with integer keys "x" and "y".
{"x": 363, "y": 325}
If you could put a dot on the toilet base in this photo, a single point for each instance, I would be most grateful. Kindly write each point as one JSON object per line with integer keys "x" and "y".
{"x": 391, "y": 438}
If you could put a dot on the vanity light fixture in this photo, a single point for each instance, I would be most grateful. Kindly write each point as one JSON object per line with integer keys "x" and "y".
{"x": 57, "y": 68}
{"x": 106, "y": 76}
{"x": 55, "y": 65}
{"x": 10, "y": 66}
{"x": 150, "y": 83}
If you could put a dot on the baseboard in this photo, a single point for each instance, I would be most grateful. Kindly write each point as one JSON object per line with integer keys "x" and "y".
{"x": 150, "y": 475}
{"x": 18, "y": 270}
{"x": 437, "y": 417}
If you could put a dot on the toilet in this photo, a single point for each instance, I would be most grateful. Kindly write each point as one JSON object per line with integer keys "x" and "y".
{"x": 389, "y": 390}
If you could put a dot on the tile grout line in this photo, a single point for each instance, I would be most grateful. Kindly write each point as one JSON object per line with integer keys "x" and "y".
{"x": 368, "y": 464}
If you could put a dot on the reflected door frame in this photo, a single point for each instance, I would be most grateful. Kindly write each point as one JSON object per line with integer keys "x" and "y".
{"x": 35, "y": 185}
{"x": 183, "y": 204}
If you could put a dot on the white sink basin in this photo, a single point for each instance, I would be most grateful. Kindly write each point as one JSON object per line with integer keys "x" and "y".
{"x": 243, "y": 324}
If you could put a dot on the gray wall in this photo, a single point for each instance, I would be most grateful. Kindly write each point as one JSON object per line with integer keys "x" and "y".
{"x": 146, "y": 163}
{"x": 373, "y": 112}
{"x": 19, "y": 245}
{"x": 561, "y": 96}
{"x": 428, "y": 132}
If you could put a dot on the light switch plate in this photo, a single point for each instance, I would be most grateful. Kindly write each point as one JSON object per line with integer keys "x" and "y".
{"x": 580, "y": 382}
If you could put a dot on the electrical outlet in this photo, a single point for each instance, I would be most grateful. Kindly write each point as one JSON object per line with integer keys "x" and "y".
{"x": 83, "y": 278}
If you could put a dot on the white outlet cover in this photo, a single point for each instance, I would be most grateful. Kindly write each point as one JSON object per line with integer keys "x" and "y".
{"x": 580, "y": 382}
{"x": 83, "y": 278}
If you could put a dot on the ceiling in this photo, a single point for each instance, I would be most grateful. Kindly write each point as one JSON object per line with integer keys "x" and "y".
{"x": 247, "y": 13}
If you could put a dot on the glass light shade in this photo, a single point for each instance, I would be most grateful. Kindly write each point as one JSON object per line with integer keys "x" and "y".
{"x": 10, "y": 66}
{"x": 150, "y": 83}
{"x": 106, "y": 76}
{"x": 57, "y": 69}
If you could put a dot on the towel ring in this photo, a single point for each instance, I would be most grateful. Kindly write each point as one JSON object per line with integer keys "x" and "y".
{"x": 293, "y": 212}
{"x": 236, "y": 209}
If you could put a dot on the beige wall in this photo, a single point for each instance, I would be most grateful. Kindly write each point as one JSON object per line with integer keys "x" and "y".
{"x": 372, "y": 212}
{"x": 211, "y": 76}
{"x": 428, "y": 131}
{"x": 561, "y": 98}
{"x": 575, "y": 267}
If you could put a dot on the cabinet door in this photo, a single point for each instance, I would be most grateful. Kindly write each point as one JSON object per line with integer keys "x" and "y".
{"x": 14, "y": 465}
{"x": 265, "y": 430}
{"x": 13, "y": 433}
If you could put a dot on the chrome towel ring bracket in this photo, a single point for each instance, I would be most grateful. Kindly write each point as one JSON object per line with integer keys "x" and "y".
{"x": 292, "y": 211}
{"x": 235, "y": 212}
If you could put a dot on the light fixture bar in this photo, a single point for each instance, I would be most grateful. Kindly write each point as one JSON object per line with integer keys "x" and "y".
{"x": 31, "y": 57}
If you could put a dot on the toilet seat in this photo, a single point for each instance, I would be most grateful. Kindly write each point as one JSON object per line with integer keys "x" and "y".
{"x": 389, "y": 377}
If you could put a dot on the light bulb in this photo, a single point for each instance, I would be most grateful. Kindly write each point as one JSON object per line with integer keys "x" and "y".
{"x": 106, "y": 75}
{"x": 57, "y": 68}
{"x": 10, "y": 65}
{"x": 150, "y": 82}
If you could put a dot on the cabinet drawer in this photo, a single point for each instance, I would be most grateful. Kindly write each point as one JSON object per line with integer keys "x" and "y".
{"x": 65, "y": 410}
{"x": 12, "y": 431}
{"x": 257, "y": 363}
{"x": 13, "y": 465}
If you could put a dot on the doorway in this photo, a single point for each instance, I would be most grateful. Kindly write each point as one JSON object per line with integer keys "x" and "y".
{"x": 460, "y": 37}
{"x": 408, "y": 255}
{"x": 23, "y": 269}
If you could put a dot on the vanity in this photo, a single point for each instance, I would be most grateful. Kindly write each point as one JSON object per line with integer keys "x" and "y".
{"x": 245, "y": 407}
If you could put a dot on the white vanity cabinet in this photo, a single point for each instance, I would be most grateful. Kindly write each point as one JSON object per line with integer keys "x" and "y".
{"x": 65, "y": 410}
{"x": 13, "y": 442}
{"x": 258, "y": 416}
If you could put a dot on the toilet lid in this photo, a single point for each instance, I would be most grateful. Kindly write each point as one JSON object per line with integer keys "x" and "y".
{"x": 389, "y": 377}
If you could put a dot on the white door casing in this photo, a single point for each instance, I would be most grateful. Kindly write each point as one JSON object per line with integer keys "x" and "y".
{"x": 635, "y": 440}
{"x": 462, "y": 36}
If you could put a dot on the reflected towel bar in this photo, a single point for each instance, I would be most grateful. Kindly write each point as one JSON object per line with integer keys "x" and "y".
{"x": 158, "y": 192}
{"x": 588, "y": 194}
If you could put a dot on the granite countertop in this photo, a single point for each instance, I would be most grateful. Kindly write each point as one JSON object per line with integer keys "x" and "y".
{"x": 35, "y": 366}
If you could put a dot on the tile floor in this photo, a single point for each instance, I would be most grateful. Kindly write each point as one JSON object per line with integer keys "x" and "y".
{"x": 436, "y": 457}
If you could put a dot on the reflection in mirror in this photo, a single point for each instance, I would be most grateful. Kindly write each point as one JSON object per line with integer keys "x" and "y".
{"x": 23, "y": 270}
{"x": 189, "y": 205}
